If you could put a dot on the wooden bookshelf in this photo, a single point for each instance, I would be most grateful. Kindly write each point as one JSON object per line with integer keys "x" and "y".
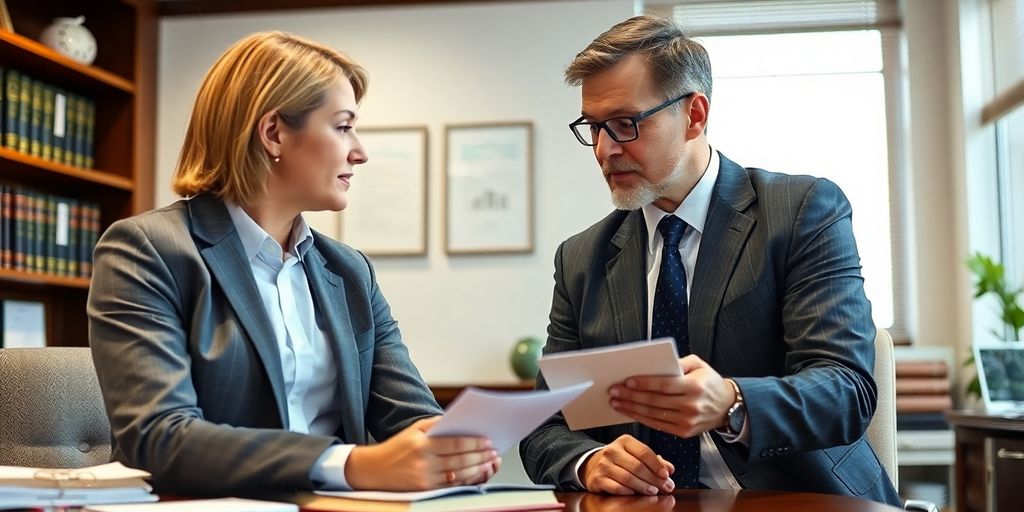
{"x": 122, "y": 84}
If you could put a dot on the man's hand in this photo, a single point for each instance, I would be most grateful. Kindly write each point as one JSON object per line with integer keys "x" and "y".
{"x": 684, "y": 406}
{"x": 627, "y": 466}
{"x": 411, "y": 461}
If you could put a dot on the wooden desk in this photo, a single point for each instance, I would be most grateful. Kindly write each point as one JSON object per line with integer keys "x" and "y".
{"x": 989, "y": 461}
{"x": 720, "y": 501}
{"x": 445, "y": 393}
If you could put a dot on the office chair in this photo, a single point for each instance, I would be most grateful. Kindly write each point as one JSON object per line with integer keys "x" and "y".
{"x": 53, "y": 414}
{"x": 881, "y": 431}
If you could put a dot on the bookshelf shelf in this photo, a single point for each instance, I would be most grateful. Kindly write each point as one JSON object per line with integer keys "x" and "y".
{"x": 36, "y": 278}
{"x": 34, "y": 58}
{"x": 44, "y": 171}
{"x": 118, "y": 93}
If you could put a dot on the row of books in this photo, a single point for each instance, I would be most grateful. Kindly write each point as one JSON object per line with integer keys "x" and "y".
{"x": 41, "y": 232}
{"x": 44, "y": 121}
{"x": 922, "y": 394}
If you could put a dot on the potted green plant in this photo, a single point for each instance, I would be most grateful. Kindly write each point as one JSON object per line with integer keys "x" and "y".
{"x": 990, "y": 277}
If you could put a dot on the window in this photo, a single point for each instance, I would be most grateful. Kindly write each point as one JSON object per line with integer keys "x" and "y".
{"x": 812, "y": 88}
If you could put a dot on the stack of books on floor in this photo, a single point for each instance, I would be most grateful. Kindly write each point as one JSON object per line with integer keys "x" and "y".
{"x": 24, "y": 487}
{"x": 922, "y": 395}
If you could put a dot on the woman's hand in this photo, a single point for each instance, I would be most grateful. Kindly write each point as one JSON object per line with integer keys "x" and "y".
{"x": 411, "y": 461}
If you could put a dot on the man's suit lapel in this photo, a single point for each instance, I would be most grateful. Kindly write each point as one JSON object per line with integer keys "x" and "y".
{"x": 328, "y": 291}
{"x": 627, "y": 287}
{"x": 229, "y": 265}
{"x": 725, "y": 233}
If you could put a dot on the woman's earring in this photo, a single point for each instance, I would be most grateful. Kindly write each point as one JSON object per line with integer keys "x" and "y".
{"x": 277, "y": 158}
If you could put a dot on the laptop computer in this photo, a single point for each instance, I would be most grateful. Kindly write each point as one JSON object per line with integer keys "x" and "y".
{"x": 1001, "y": 373}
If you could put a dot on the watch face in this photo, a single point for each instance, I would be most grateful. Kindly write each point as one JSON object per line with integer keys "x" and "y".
{"x": 736, "y": 419}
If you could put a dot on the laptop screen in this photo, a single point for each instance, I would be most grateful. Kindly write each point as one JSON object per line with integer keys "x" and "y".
{"x": 1001, "y": 372}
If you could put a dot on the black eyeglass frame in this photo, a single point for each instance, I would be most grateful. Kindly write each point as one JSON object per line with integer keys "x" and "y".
{"x": 633, "y": 119}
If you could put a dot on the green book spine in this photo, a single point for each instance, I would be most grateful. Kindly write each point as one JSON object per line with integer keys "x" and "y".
{"x": 35, "y": 127}
{"x": 90, "y": 128}
{"x": 60, "y": 124}
{"x": 20, "y": 228}
{"x": 80, "y": 121}
{"x": 69, "y": 139}
{"x": 39, "y": 227}
{"x": 46, "y": 132}
{"x": 30, "y": 231}
{"x": 24, "y": 113}
{"x": 73, "y": 234}
{"x": 5, "y": 226}
{"x": 12, "y": 86}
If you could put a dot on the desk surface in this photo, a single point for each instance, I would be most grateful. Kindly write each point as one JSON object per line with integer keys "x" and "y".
{"x": 719, "y": 501}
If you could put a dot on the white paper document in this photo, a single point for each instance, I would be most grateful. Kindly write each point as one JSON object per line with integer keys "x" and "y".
{"x": 504, "y": 417}
{"x": 411, "y": 496}
{"x": 214, "y": 505}
{"x": 606, "y": 366}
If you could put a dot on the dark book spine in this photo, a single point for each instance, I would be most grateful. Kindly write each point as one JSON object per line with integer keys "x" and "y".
{"x": 47, "y": 130}
{"x": 12, "y": 88}
{"x": 51, "y": 234}
{"x": 20, "y": 228}
{"x": 69, "y": 139}
{"x": 35, "y": 147}
{"x": 39, "y": 227}
{"x": 5, "y": 226}
{"x": 73, "y": 234}
{"x": 30, "y": 231}
{"x": 80, "y": 120}
{"x": 89, "y": 151}
{"x": 24, "y": 113}
{"x": 60, "y": 125}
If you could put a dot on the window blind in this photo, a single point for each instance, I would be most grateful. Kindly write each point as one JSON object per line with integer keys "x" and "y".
{"x": 731, "y": 17}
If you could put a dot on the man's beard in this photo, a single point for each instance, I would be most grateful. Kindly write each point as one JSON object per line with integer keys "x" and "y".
{"x": 642, "y": 194}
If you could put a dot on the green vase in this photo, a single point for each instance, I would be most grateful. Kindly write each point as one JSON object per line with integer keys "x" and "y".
{"x": 525, "y": 354}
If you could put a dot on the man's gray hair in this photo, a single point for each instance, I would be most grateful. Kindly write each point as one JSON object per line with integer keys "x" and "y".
{"x": 677, "y": 63}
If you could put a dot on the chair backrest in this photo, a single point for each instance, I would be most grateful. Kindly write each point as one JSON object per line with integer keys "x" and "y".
{"x": 52, "y": 410}
{"x": 881, "y": 431}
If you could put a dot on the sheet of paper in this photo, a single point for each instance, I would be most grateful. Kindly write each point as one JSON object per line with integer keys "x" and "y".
{"x": 504, "y": 417}
{"x": 215, "y": 505}
{"x": 606, "y": 366}
{"x": 411, "y": 496}
{"x": 109, "y": 471}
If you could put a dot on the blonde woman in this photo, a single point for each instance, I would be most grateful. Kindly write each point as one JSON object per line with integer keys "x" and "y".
{"x": 240, "y": 352}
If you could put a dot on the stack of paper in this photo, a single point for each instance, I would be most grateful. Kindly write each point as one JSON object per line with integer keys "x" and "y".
{"x": 22, "y": 487}
{"x": 211, "y": 505}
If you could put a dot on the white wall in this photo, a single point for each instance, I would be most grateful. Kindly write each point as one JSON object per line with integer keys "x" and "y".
{"x": 430, "y": 66}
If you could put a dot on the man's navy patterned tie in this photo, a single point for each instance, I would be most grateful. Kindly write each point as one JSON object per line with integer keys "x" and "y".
{"x": 669, "y": 319}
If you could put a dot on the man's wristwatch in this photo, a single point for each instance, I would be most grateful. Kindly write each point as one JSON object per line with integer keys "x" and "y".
{"x": 736, "y": 415}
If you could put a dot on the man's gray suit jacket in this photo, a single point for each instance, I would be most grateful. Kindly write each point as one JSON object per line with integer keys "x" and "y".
{"x": 190, "y": 368}
{"x": 777, "y": 303}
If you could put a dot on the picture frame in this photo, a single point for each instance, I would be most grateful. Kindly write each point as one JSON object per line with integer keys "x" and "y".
{"x": 489, "y": 188}
{"x": 387, "y": 206}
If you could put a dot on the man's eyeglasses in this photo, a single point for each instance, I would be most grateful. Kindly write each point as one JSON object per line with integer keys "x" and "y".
{"x": 621, "y": 129}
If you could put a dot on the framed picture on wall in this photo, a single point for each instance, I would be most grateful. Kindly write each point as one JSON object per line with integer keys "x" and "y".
{"x": 387, "y": 208}
{"x": 489, "y": 188}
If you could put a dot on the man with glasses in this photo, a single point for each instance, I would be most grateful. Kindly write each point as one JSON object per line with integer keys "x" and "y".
{"x": 755, "y": 274}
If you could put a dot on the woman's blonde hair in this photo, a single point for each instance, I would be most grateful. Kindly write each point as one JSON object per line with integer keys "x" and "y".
{"x": 222, "y": 153}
